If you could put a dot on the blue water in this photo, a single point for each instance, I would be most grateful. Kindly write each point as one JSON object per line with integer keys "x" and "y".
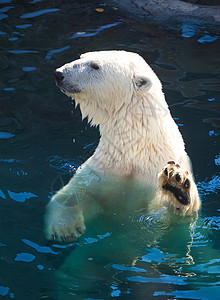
{"x": 43, "y": 141}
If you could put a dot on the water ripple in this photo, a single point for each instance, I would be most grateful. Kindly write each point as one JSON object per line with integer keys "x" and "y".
{"x": 52, "y": 52}
{"x": 40, "y": 249}
{"x": 26, "y": 257}
{"x": 209, "y": 186}
{"x": 22, "y": 51}
{"x": 6, "y": 9}
{"x": 93, "y": 31}
{"x": 3, "y": 16}
{"x": 38, "y": 13}
{"x": 4, "y": 290}
{"x": 154, "y": 221}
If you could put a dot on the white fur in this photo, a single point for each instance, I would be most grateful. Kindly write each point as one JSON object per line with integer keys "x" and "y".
{"x": 138, "y": 135}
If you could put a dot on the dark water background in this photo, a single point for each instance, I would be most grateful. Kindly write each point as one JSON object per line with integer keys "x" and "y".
{"x": 43, "y": 141}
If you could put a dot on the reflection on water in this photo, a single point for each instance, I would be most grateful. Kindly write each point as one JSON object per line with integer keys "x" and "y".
{"x": 43, "y": 141}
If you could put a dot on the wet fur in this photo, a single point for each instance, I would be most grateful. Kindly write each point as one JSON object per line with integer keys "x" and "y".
{"x": 124, "y": 97}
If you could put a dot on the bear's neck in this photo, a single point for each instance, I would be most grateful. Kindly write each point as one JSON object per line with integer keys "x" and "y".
{"x": 140, "y": 135}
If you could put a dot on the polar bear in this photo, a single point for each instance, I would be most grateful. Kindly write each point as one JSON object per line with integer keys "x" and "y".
{"x": 118, "y": 91}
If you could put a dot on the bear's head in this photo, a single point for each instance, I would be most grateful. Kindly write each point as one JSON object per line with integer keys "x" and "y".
{"x": 103, "y": 82}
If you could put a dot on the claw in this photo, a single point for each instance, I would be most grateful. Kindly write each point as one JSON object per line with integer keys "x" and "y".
{"x": 178, "y": 178}
{"x": 171, "y": 162}
{"x": 166, "y": 172}
{"x": 171, "y": 173}
{"x": 79, "y": 229}
{"x": 187, "y": 183}
{"x": 53, "y": 236}
{"x": 68, "y": 238}
{"x": 73, "y": 236}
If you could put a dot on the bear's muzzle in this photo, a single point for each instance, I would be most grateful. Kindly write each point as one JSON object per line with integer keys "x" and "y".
{"x": 59, "y": 77}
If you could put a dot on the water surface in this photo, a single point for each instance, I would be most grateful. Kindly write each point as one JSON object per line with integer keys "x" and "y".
{"x": 43, "y": 141}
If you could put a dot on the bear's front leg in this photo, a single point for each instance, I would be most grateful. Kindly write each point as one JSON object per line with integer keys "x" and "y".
{"x": 178, "y": 190}
{"x": 64, "y": 219}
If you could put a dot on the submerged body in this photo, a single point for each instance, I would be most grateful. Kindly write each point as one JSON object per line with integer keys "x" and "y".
{"x": 118, "y": 91}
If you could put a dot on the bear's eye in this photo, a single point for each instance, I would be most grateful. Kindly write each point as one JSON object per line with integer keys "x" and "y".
{"x": 141, "y": 82}
{"x": 94, "y": 66}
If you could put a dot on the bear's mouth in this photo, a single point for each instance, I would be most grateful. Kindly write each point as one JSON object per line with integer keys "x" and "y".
{"x": 180, "y": 196}
{"x": 68, "y": 89}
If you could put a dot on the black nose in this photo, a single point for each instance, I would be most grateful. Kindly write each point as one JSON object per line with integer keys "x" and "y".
{"x": 59, "y": 76}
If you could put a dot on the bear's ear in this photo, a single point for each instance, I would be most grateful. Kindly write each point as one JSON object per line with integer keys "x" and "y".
{"x": 142, "y": 83}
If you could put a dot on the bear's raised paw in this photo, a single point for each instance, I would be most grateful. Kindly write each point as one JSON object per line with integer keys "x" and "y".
{"x": 176, "y": 186}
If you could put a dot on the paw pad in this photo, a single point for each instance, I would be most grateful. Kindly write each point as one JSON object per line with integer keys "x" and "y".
{"x": 175, "y": 183}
